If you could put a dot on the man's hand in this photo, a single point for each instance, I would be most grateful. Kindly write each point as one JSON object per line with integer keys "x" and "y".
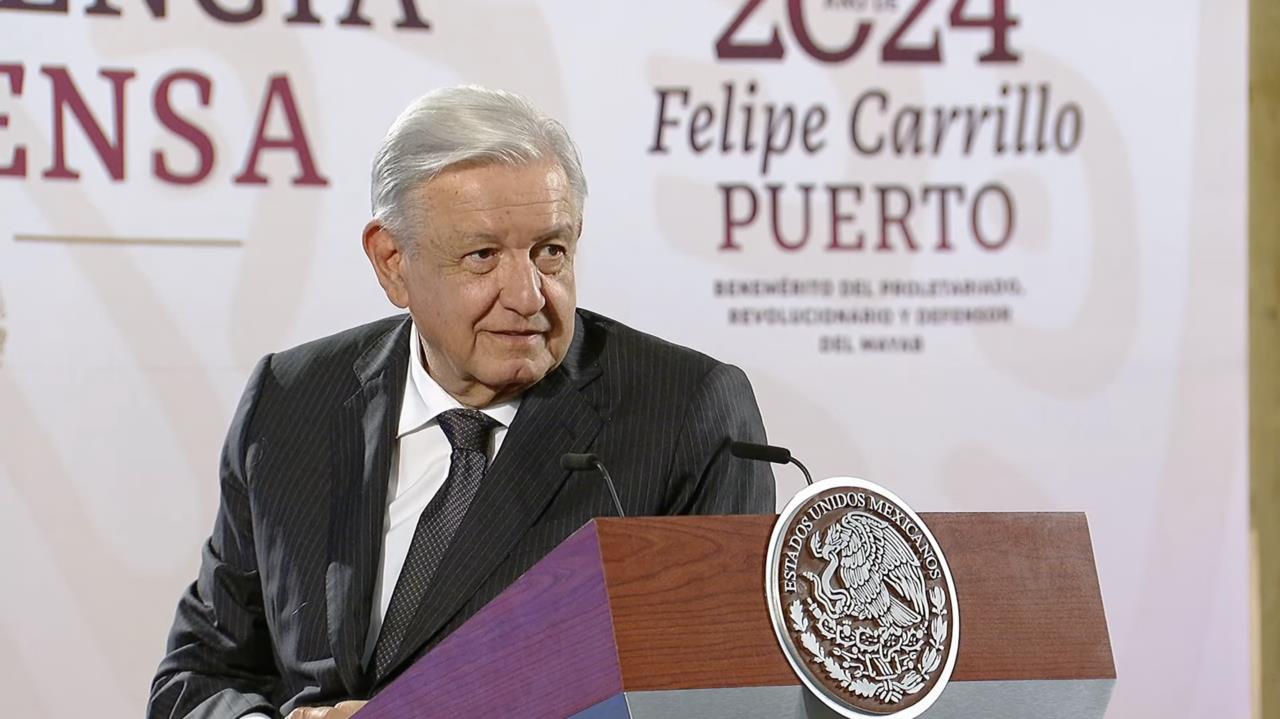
{"x": 342, "y": 711}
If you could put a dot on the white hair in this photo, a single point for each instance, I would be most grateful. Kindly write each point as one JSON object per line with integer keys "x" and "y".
{"x": 467, "y": 124}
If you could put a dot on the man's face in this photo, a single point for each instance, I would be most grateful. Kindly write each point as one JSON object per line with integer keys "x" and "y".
{"x": 490, "y": 284}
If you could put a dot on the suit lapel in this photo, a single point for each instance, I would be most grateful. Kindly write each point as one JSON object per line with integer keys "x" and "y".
{"x": 362, "y": 441}
{"x": 555, "y": 417}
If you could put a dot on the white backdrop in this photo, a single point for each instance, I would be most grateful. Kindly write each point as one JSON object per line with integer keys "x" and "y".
{"x": 1075, "y": 343}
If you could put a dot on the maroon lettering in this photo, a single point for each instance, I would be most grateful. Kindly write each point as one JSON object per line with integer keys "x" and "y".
{"x": 59, "y": 6}
{"x": 896, "y": 47}
{"x": 302, "y": 14}
{"x": 999, "y": 22}
{"x": 664, "y": 122}
{"x": 748, "y": 117}
{"x": 66, "y": 96}
{"x": 1020, "y": 143}
{"x": 975, "y": 217}
{"x": 866, "y": 149}
{"x": 895, "y": 51}
{"x": 999, "y": 115}
{"x": 888, "y": 218}
{"x": 158, "y": 8}
{"x": 725, "y": 144}
{"x": 217, "y": 12}
{"x": 1068, "y": 127}
{"x": 181, "y": 127}
{"x": 839, "y": 218}
{"x": 814, "y": 120}
{"x": 729, "y": 49}
{"x": 279, "y": 91}
{"x": 1042, "y": 120}
{"x": 410, "y": 20}
{"x": 944, "y": 217}
{"x": 732, "y": 221}
{"x": 903, "y": 224}
{"x": 18, "y": 166}
{"x": 699, "y": 122}
{"x": 800, "y": 28}
{"x": 906, "y": 131}
{"x": 774, "y": 122}
{"x": 775, "y": 214}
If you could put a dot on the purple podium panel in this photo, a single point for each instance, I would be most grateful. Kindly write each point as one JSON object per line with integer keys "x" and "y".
{"x": 543, "y": 648}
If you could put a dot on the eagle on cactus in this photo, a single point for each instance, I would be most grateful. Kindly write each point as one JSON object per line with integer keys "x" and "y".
{"x": 871, "y": 573}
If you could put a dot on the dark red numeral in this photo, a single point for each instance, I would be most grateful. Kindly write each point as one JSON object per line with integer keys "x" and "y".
{"x": 728, "y": 49}
{"x": 795, "y": 12}
{"x": 895, "y": 51}
{"x": 1000, "y": 23}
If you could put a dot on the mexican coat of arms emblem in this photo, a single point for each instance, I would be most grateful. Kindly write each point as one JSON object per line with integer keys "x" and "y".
{"x": 862, "y": 600}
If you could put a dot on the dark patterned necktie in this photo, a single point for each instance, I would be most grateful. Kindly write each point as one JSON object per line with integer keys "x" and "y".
{"x": 468, "y": 432}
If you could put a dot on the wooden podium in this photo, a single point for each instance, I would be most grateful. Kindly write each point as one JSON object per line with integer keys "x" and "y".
{"x": 661, "y": 617}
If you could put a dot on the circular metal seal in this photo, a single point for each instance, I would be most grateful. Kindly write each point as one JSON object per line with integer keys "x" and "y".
{"x": 862, "y": 600}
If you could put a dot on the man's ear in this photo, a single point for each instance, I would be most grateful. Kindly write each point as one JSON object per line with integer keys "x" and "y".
{"x": 388, "y": 262}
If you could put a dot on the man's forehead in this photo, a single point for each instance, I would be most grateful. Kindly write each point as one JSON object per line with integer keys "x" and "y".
{"x": 564, "y": 229}
{"x": 495, "y": 176}
{"x": 494, "y": 186}
{"x": 487, "y": 201}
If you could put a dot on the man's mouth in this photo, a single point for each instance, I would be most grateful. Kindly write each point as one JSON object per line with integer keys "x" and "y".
{"x": 516, "y": 336}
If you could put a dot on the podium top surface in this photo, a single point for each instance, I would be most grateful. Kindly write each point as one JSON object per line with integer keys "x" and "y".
{"x": 688, "y": 608}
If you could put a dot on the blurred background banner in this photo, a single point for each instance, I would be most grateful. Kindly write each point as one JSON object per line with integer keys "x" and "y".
{"x": 989, "y": 253}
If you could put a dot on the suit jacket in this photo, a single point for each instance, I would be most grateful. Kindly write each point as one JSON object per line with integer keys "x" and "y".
{"x": 278, "y": 615}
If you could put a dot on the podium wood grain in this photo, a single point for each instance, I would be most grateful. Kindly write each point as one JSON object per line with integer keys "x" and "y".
{"x": 1030, "y": 606}
{"x": 688, "y": 602}
{"x": 689, "y": 609}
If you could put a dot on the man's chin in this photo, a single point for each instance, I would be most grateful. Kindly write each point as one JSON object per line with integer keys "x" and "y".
{"x": 515, "y": 377}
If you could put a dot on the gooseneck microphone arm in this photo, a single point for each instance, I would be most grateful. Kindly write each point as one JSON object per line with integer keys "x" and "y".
{"x": 767, "y": 453}
{"x": 581, "y": 462}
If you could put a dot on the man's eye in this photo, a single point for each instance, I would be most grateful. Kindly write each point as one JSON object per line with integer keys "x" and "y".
{"x": 484, "y": 254}
{"x": 550, "y": 251}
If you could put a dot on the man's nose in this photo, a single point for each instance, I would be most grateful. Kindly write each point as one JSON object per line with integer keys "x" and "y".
{"x": 521, "y": 290}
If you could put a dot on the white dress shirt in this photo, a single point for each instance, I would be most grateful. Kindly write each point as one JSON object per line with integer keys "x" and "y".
{"x": 419, "y": 467}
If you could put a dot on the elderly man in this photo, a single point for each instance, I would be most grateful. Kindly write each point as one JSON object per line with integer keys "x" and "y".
{"x": 381, "y": 485}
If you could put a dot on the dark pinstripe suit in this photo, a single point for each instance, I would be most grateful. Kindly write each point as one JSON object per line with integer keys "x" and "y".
{"x": 278, "y": 615}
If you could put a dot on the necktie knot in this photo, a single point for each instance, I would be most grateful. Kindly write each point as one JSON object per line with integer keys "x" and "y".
{"x": 467, "y": 429}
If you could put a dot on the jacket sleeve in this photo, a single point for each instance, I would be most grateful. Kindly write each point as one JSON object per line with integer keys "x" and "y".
{"x": 219, "y": 661}
{"x": 708, "y": 479}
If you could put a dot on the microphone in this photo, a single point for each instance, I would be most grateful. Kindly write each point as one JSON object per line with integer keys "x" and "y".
{"x": 582, "y": 462}
{"x": 767, "y": 453}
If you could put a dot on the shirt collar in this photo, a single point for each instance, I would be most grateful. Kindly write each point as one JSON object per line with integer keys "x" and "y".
{"x": 425, "y": 399}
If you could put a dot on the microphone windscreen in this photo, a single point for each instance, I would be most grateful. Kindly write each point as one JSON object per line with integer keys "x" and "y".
{"x": 760, "y": 452}
{"x": 578, "y": 462}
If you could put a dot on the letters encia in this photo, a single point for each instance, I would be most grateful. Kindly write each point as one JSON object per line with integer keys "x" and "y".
{"x": 410, "y": 18}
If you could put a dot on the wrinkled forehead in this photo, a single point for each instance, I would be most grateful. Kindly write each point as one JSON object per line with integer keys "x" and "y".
{"x": 497, "y": 201}
{"x": 493, "y": 183}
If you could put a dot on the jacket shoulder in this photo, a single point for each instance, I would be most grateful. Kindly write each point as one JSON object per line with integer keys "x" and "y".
{"x": 336, "y": 353}
{"x": 638, "y": 358}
